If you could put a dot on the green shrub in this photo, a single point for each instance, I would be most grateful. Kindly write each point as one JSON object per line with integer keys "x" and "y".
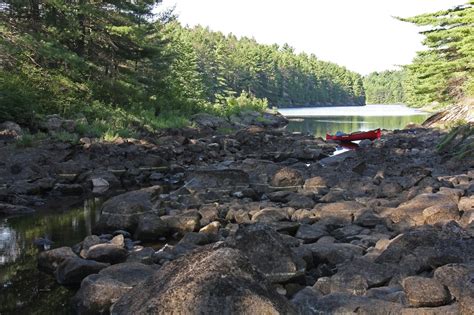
{"x": 67, "y": 137}
{"x": 234, "y": 105}
{"x": 30, "y": 140}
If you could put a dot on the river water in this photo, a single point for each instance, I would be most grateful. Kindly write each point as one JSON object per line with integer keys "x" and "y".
{"x": 23, "y": 288}
{"x": 321, "y": 120}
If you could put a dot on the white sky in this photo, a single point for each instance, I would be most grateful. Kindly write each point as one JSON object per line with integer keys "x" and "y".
{"x": 358, "y": 34}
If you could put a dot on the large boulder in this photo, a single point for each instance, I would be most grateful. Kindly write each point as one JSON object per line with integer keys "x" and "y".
{"x": 123, "y": 211}
{"x": 72, "y": 270}
{"x": 267, "y": 250}
{"x": 208, "y": 281}
{"x": 99, "y": 291}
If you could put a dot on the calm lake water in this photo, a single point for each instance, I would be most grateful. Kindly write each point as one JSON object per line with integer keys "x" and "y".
{"x": 23, "y": 288}
{"x": 321, "y": 120}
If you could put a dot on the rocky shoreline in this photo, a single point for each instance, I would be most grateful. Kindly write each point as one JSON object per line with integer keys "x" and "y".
{"x": 257, "y": 220}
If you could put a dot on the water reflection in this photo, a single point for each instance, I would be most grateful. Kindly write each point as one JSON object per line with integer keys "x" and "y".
{"x": 23, "y": 288}
{"x": 321, "y": 125}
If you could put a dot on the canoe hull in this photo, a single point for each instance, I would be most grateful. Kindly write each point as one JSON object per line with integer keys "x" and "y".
{"x": 370, "y": 135}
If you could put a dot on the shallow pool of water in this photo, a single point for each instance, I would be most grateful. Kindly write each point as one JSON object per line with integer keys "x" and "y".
{"x": 23, "y": 288}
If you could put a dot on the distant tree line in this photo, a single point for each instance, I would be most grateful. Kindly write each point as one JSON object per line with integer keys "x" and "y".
{"x": 385, "y": 87}
{"x": 228, "y": 65}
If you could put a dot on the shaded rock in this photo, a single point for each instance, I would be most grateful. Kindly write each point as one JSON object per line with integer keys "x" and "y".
{"x": 391, "y": 294}
{"x": 368, "y": 219}
{"x": 334, "y": 253}
{"x": 425, "y": 292}
{"x": 211, "y": 178}
{"x": 108, "y": 253}
{"x": 279, "y": 196}
{"x": 69, "y": 189}
{"x": 71, "y": 271}
{"x": 49, "y": 260}
{"x": 183, "y": 223}
{"x": 425, "y": 248}
{"x": 210, "y": 121}
{"x": 209, "y": 281}
{"x": 374, "y": 274}
{"x": 99, "y": 291}
{"x": 123, "y": 211}
{"x": 343, "y": 303}
{"x": 140, "y": 254}
{"x": 151, "y": 227}
{"x": 208, "y": 213}
{"x": 390, "y": 189}
{"x": 304, "y": 299}
{"x": 195, "y": 239}
{"x": 267, "y": 251}
{"x": 311, "y": 233}
{"x": 301, "y": 202}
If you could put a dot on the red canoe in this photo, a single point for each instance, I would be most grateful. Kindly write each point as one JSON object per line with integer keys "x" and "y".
{"x": 371, "y": 135}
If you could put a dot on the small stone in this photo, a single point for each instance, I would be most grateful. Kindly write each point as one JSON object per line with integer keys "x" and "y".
{"x": 118, "y": 240}
{"x": 108, "y": 253}
{"x": 211, "y": 228}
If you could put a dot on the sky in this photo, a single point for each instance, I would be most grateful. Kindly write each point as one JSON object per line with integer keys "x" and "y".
{"x": 361, "y": 35}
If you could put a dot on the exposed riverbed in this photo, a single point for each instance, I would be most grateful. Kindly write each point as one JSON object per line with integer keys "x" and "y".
{"x": 258, "y": 174}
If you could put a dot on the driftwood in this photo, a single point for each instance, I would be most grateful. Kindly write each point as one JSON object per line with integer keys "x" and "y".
{"x": 463, "y": 112}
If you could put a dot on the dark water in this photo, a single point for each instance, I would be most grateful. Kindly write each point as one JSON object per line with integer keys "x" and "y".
{"x": 24, "y": 289}
{"x": 322, "y": 120}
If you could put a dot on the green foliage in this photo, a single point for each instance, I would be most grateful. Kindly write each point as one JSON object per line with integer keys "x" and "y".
{"x": 29, "y": 140}
{"x": 444, "y": 73}
{"x": 127, "y": 69}
{"x": 459, "y": 142}
{"x": 227, "y": 64}
{"x": 384, "y": 87}
{"x": 65, "y": 136}
{"x": 232, "y": 105}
